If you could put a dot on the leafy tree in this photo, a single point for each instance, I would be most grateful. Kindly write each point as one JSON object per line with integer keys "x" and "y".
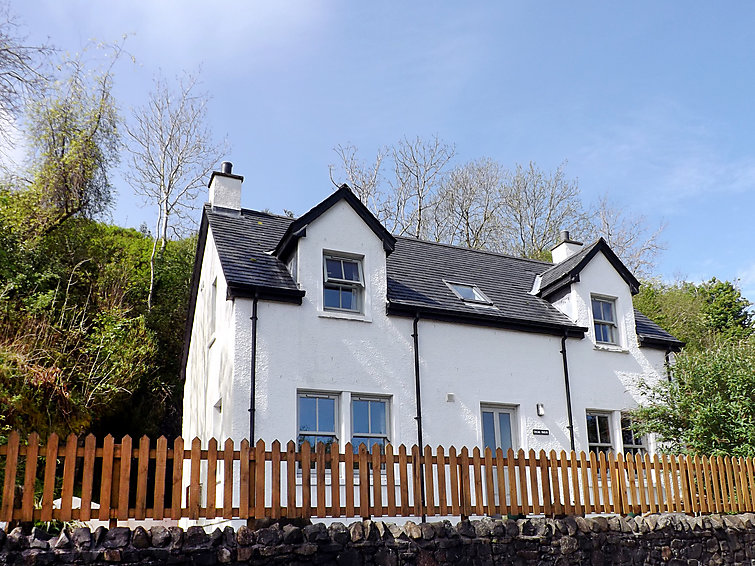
{"x": 709, "y": 406}
{"x": 697, "y": 314}
{"x": 73, "y": 133}
{"x": 725, "y": 310}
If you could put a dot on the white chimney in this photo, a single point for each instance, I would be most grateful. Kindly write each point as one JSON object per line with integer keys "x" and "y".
{"x": 566, "y": 248}
{"x": 225, "y": 188}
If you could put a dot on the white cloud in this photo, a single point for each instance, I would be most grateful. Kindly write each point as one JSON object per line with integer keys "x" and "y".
{"x": 671, "y": 156}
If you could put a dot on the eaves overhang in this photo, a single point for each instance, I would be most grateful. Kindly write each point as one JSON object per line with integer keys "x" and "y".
{"x": 266, "y": 293}
{"x": 660, "y": 343}
{"x": 483, "y": 319}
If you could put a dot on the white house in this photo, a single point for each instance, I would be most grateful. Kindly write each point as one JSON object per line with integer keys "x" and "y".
{"x": 328, "y": 327}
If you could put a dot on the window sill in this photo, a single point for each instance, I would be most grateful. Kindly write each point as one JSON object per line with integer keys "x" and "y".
{"x": 611, "y": 348}
{"x": 345, "y": 316}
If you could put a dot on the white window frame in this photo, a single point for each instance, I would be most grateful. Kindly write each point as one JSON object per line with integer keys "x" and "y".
{"x": 640, "y": 442}
{"x": 480, "y": 297}
{"x": 600, "y": 446}
{"x": 374, "y": 398}
{"x": 357, "y": 287}
{"x": 336, "y": 415}
{"x": 613, "y": 327}
{"x": 512, "y": 411}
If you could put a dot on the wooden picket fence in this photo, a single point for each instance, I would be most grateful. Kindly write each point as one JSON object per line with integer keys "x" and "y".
{"x": 116, "y": 482}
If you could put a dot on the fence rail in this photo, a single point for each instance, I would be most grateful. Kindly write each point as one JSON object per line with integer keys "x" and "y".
{"x": 83, "y": 479}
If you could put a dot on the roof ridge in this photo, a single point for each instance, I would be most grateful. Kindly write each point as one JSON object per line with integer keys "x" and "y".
{"x": 467, "y": 249}
{"x": 453, "y": 246}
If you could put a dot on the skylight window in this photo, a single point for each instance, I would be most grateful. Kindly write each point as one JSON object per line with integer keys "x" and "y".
{"x": 468, "y": 293}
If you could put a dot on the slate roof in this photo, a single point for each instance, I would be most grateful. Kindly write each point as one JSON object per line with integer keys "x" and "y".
{"x": 242, "y": 242}
{"x": 416, "y": 271}
{"x": 650, "y": 334}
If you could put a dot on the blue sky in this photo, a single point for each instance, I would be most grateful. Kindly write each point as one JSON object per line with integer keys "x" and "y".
{"x": 651, "y": 103}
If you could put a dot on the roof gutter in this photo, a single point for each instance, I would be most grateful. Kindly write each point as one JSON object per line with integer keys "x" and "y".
{"x": 482, "y": 320}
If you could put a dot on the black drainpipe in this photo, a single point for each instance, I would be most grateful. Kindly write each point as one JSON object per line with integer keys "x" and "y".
{"x": 418, "y": 418}
{"x": 252, "y": 408}
{"x": 568, "y": 391}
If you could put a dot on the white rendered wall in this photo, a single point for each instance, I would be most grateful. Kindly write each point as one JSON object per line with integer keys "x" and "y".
{"x": 304, "y": 348}
{"x": 605, "y": 378}
{"x": 209, "y": 365}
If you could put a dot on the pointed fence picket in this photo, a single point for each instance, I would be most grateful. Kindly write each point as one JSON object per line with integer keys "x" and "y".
{"x": 81, "y": 478}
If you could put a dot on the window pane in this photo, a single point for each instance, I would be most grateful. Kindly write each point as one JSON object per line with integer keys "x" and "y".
{"x": 307, "y": 438}
{"x": 596, "y": 311}
{"x": 368, "y": 442}
{"x": 488, "y": 430}
{"x": 360, "y": 417}
{"x": 608, "y": 311}
{"x": 332, "y": 298}
{"x": 592, "y": 429}
{"x": 351, "y": 270}
{"x": 465, "y": 292}
{"x": 605, "y": 432}
{"x": 377, "y": 417}
{"x": 505, "y": 426}
{"x": 333, "y": 267}
{"x": 326, "y": 415}
{"x": 608, "y": 330}
{"x": 326, "y": 440}
{"x": 347, "y": 299}
{"x": 307, "y": 413}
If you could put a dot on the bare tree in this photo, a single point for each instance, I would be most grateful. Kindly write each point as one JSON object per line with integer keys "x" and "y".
{"x": 406, "y": 205}
{"x": 481, "y": 205}
{"x": 634, "y": 241}
{"x": 21, "y": 71}
{"x": 20, "y": 64}
{"x": 419, "y": 168}
{"x": 469, "y": 206}
{"x": 364, "y": 179}
{"x": 536, "y": 206}
{"x": 172, "y": 153}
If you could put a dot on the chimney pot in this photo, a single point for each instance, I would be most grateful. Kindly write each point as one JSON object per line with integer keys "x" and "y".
{"x": 226, "y": 167}
{"x": 565, "y": 248}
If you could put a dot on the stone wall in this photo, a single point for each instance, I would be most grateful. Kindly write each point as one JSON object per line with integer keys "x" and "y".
{"x": 653, "y": 539}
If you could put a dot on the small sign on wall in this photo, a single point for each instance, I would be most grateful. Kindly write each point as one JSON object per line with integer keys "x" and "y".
{"x": 540, "y": 431}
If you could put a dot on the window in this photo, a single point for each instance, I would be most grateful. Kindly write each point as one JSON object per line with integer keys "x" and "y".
{"x": 632, "y": 442}
{"x": 599, "y": 433}
{"x": 343, "y": 284}
{"x": 318, "y": 414}
{"x": 497, "y": 428}
{"x": 369, "y": 422}
{"x": 604, "y": 317}
{"x": 468, "y": 293}
{"x": 213, "y": 307}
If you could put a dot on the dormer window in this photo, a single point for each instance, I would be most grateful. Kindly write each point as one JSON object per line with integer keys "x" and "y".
{"x": 604, "y": 318}
{"x": 343, "y": 283}
{"x": 468, "y": 293}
